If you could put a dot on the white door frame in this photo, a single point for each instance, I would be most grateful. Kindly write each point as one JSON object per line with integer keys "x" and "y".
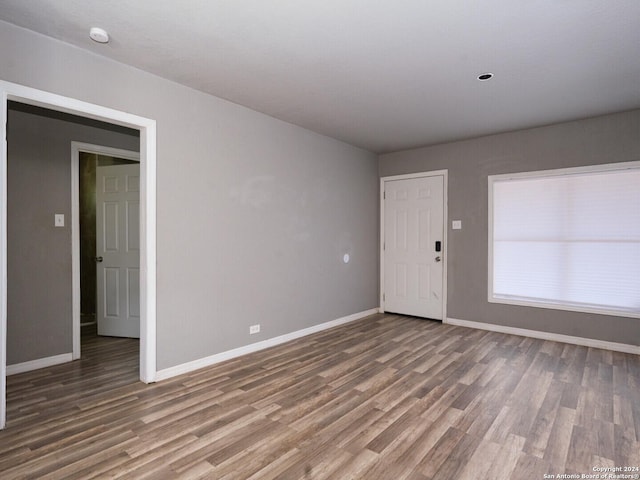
{"x": 147, "y": 128}
{"x": 76, "y": 148}
{"x": 445, "y": 221}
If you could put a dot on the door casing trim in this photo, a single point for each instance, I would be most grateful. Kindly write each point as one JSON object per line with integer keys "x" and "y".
{"x": 445, "y": 221}
{"x": 147, "y": 129}
{"x": 76, "y": 148}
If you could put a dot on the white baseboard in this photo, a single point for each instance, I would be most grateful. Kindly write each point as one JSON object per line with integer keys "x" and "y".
{"x": 38, "y": 363}
{"x": 556, "y": 337}
{"x": 254, "y": 347}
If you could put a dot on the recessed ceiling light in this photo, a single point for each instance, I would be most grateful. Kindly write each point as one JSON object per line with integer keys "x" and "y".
{"x": 485, "y": 76}
{"x": 99, "y": 35}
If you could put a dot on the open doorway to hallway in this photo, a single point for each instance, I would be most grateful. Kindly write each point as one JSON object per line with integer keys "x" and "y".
{"x": 109, "y": 240}
{"x": 146, "y": 129}
{"x": 40, "y": 250}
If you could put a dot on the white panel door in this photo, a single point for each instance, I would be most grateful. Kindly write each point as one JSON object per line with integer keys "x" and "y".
{"x": 413, "y": 234}
{"x": 118, "y": 250}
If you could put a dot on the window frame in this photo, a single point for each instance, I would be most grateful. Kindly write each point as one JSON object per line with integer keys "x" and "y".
{"x": 560, "y": 172}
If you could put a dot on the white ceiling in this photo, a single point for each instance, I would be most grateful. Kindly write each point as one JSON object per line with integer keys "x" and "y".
{"x": 380, "y": 74}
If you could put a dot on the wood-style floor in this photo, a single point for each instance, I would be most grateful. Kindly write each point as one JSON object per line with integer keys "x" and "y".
{"x": 386, "y": 397}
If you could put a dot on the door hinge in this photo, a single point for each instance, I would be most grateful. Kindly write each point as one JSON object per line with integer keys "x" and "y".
{"x": 384, "y": 297}
{"x": 384, "y": 194}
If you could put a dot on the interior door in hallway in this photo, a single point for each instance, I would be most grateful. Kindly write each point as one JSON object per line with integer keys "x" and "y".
{"x": 414, "y": 246}
{"x": 118, "y": 250}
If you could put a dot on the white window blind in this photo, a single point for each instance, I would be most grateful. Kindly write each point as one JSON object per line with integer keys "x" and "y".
{"x": 567, "y": 239}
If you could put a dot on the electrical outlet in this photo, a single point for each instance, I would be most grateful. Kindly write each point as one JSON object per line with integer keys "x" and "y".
{"x": 254, "y": 329}
{"x": 58, "y": 219}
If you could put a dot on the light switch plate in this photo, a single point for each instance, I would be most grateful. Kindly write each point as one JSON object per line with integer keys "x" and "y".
{"x": 456, "y": 224}
{"x": 59, "y": 219}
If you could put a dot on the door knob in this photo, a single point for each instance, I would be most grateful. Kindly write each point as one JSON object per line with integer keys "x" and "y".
{"x": 99, "y": 259}
{"x": 438, "y": 258}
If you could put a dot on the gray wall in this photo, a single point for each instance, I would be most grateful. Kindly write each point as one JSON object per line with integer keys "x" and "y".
{"x": 606, "y": 139}
{"x": 39, "y": 254}
{"x": 254, "y": 214}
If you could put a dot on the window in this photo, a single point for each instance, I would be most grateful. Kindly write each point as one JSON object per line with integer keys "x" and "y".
{"x": 567, "y": 239}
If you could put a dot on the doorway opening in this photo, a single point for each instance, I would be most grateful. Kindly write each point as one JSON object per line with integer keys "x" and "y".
{"x": 147, "y": 221}
{"x": 88, "y": 164}
{"x": 101, "y": 216}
